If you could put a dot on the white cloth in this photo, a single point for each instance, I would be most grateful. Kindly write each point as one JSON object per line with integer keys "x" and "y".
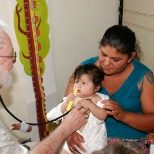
{"x": 94, "y": 132}
{"x": 55, "y": 112}
{"x": 8, "y": 145}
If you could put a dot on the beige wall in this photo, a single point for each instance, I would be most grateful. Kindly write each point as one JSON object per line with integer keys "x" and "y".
{"x": 76, "y": 28}
{"x": 139, "y": 16}
{"x": 14, "y": 96}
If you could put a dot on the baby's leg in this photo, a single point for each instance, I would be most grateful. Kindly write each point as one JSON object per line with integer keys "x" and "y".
{"x": 63, "y": 151}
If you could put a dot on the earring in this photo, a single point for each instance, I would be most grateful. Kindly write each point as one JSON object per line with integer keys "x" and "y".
{"x": 129, "y": 61}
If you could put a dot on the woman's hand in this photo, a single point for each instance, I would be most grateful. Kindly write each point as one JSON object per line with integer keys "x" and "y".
{"x": 114, "y": 109}
{"x": 75, "y": 140}
{"x": 150, "y": 138}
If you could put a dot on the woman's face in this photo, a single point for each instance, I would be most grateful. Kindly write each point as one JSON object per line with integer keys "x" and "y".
{"x": 111, "y": 61}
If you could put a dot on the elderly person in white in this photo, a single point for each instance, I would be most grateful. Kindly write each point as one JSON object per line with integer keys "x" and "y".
{"x": 54, "y": 141}
{"x": 7, "y": 58}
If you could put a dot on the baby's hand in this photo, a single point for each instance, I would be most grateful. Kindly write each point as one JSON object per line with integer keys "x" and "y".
{"x": 70, "y": 97}
{"x": 21, "y": 126}
{"x": 15, "y": 126}
{"x": 86, "y": 103}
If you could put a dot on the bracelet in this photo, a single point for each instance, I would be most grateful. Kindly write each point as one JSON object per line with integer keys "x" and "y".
{"x": 24, "y": 126}
{"x": 88, "y": 99}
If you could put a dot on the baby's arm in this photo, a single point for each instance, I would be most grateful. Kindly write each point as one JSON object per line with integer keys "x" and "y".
{"x": 97, "y": 111}
{"x": 24, "y": 127}
{"x": 59, "y": 110}
{"x": 64, "y": 105}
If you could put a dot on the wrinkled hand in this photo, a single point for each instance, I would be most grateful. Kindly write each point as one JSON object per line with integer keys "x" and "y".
{"x": 114, "y": 109}
{"x": 76, "y": 118}
{"x": 150, "y": 138}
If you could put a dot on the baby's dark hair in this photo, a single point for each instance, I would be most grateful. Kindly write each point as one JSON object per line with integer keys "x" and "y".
{"x": 96, "y": 74}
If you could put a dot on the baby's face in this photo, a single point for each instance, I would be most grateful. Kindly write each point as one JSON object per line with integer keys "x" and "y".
{"x": 85, "y": 86}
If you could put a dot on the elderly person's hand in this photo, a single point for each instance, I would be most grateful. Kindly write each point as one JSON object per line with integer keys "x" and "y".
{"x": 76, "y": 118}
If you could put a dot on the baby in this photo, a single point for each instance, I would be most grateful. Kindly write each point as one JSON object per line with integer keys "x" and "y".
{"x": 87, "y": 81}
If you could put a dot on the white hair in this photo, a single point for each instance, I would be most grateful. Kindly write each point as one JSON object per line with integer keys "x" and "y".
{"x": 3, "y": 28}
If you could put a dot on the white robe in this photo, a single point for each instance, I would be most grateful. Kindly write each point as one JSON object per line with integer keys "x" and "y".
{"x": 8, "y": 145}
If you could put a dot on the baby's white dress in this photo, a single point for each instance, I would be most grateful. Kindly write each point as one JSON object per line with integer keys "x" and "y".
{"x": 94, "y": 132}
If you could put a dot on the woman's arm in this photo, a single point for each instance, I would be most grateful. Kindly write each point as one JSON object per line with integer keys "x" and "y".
{"x": 142, "y": 122}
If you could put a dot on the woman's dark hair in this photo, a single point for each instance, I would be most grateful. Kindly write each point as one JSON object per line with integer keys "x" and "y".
{"x": 96, "y": 74}
{"x": 122, "y": 39}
